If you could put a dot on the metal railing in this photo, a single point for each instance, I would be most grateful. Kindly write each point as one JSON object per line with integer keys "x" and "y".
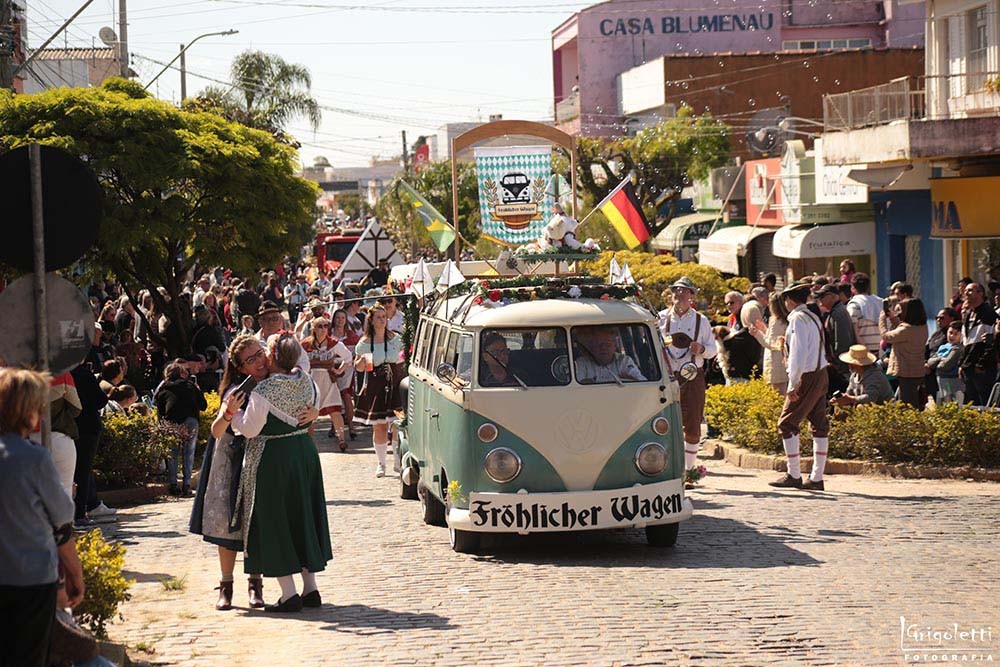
{"x": 914, "y": 98}
{"x": 569, "y": 108}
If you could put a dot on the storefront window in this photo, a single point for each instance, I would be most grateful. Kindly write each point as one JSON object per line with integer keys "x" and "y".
{"x": 984, "y": 260}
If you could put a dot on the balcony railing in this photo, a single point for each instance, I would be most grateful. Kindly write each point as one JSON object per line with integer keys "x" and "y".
{"x": 914, "y": 98}
{"x": 567, "y": 109}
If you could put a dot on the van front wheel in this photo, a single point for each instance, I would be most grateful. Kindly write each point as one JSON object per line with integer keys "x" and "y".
{"x": 664, "y": 535}
{"x": 463, "y": 541}
{"x": 432, "y": 507}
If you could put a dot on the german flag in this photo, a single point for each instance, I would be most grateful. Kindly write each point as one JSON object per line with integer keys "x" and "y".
{"x": 622, "y": 209}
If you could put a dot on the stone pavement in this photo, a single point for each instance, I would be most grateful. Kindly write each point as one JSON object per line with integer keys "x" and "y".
{"x": 758, "y": 577}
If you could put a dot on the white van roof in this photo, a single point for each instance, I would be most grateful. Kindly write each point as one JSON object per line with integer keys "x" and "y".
{"x": 547, "y": 313}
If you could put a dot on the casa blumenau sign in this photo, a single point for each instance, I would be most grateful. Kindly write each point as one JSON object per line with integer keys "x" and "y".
{"x": 682, "y": 25}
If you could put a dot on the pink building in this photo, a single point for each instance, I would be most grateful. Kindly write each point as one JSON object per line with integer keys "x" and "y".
{"x": 596, "y": 45}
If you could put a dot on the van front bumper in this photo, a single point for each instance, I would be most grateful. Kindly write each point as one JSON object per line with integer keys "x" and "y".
{"x": 633, "y": 507}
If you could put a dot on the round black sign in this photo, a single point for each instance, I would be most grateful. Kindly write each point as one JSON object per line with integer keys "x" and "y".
{"x": 71, "y": 208}
{"x": 71, "y": 323}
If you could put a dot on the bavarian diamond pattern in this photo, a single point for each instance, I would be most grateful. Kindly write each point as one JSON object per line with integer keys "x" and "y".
{"x": 494, "y": 163}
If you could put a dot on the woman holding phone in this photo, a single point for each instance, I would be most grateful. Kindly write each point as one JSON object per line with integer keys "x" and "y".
{"x": 376, "y": 354}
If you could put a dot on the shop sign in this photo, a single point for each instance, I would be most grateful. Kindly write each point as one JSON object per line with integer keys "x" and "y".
{"x": 826, "y": 213}
{"x": 833, "y": 185}
{"x": 683, "y": 25}
{"x": 965, "y": 208}
{"x": 798, "y": 184}
{"x": 763, "y": 192}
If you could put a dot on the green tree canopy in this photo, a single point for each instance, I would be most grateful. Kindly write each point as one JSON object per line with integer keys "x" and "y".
{"x": 179, "y": 186}
{"x": 663, "y": 159}
{"x": 266, "y": 93}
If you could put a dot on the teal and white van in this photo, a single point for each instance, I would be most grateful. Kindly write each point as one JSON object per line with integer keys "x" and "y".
{"x": 542, "y": 409}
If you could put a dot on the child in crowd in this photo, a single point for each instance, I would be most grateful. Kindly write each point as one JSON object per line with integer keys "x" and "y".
{"x": 945, "y": 365}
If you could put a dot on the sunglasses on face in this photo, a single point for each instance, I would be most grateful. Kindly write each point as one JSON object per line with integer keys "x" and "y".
{"x": 321, "y": 326}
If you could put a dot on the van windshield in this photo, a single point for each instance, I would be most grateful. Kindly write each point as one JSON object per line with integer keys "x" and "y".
{"x": 536, "y": 357}
{"x": 616, "y": 353}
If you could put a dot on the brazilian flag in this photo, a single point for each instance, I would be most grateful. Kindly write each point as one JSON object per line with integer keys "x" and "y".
{"x": 437, "y": 226}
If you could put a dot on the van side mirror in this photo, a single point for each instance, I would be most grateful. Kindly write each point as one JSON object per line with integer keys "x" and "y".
{"x": 446, "y": 373}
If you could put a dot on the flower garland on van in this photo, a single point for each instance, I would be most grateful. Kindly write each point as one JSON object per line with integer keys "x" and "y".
{"x": 497, "y": 292}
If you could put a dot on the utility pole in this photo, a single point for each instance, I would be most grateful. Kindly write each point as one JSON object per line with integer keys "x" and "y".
{"x": 406, "y": 156}
{"x": 122, "y": 40}
{"x": 7, "y": 41}
{"x": 184, "y": 82}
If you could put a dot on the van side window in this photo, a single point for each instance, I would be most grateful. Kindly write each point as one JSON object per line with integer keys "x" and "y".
{"x": 440, "y": 342}
{"x": 426, "y": 331}
{"x": 451, "y": 351}
{"x": 463, "y": 362}
{"x": 416, "y": 342}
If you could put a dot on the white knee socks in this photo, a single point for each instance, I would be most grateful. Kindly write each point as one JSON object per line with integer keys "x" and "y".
{"x": 308, "y": 581}
{"x": 287, "y": 587}
{"x": 691, "y": 454}
{"x": 380, "y": 450}
{"x": 820, "y": 447}
{"x": 792, "y": 452}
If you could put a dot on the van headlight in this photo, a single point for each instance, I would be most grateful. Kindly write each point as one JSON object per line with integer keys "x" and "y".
{"x": 651, "y": 459}
{"x": 487, "y": 432}
{"x": 502, "y": 465}
{"x": 661, "y": 426}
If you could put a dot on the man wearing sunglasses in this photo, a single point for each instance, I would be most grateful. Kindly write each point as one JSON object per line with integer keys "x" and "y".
{"x": 691, "y": 343}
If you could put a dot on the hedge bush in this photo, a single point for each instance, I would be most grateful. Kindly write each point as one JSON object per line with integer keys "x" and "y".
{"x": 951, "y": 435}
{"x": 131, "y": 448}
{"x": 657, "y": 272}
{"x": 105, "y": 588}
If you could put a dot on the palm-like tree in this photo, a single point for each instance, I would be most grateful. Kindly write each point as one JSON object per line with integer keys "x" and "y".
{"x": 266, "y": 93}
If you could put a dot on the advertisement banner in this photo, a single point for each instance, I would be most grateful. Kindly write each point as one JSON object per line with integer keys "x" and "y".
{"x": 512, "y": 192}
{"x": 964, "y": 208}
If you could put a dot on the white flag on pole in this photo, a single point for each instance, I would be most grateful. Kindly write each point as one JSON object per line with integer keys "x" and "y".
{"x": 614, "y": 272}
{"x": 422, "y": 283}
{"x": 626, "y": 277}
{"x": 450, "y": 276}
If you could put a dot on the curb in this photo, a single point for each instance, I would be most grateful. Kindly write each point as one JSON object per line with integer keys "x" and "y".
{"x": 140, "y": 495}
{"x": 744, "y": 458}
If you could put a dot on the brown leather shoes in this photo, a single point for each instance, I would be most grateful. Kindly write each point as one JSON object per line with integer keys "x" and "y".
{"x": 225, "y": 601}
{"x": 787, "y": 482}
{"x": 255, "y": 588}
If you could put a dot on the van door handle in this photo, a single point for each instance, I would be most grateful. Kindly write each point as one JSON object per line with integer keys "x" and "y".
{"x": 435, "y": 415}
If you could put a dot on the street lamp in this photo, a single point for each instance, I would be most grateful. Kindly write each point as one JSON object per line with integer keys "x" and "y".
{"x": 181, "y": 56}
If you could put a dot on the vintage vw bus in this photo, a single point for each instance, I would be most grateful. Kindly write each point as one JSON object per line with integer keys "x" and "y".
{"x": 544, "y": 414}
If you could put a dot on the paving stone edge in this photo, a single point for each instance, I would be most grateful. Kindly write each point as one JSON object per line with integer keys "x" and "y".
{"x": 744, "y": 458}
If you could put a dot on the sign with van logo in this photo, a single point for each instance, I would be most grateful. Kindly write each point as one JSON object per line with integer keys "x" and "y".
{"x": 512, "y": 191}
{"x": 661, "y": 502}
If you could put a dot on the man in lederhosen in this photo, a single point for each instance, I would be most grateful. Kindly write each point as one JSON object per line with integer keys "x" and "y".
{"x": 807, "y": 385}
{"x": 692, "y": 343}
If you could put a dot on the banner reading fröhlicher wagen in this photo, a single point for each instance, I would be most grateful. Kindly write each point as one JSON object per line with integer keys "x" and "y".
{"x": 512, "y": 199}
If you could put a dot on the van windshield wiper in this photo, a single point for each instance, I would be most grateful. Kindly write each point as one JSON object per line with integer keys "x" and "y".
{"x": 504, "y": 366}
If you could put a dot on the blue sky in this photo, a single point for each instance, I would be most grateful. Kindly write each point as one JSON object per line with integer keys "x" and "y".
{"x": 394, "y": 64}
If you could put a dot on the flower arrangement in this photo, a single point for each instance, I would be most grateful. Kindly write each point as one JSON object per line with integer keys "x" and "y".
{"x": 692, "y": 475}
{"x": 454, "y": 491}
{"x": 497, "y": 292}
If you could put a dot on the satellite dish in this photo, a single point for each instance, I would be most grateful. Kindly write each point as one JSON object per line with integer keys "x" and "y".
{"x": 108, "y": 36}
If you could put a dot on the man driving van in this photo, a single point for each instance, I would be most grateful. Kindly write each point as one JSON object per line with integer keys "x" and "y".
{"x": 598, "y": 360}
{"x": 495, "y": 369}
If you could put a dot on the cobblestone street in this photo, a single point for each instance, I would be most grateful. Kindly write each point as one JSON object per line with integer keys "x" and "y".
{"x": 758, "y": 577}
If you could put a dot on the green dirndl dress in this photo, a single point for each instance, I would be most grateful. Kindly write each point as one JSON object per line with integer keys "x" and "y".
{"x": 287, "y": 529}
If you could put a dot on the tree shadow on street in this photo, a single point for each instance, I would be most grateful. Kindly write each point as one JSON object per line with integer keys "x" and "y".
{"x": 703, "y": 542}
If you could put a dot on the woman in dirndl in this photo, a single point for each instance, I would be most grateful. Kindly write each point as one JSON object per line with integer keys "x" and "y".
{"x": 329, "y": 360}
{"x": 342, "y": 331}
{"x": 284, "y": 518}
{"x": 379, "y": 356}
{"x": 215, "y": 509}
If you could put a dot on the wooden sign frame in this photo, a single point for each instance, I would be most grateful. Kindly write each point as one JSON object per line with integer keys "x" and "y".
{"x": 501, "y": 128}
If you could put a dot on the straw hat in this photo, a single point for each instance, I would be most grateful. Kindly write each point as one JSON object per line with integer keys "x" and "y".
{"x": 859, "y": 356}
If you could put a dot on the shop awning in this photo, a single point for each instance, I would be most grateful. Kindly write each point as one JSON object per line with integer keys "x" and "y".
{"x": 833, "y": 240}
{"x": 684, "y": 230}
{"x": 723, "y": 249}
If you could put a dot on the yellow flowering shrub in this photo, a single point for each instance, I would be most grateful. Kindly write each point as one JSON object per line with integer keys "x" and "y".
{"x": 131, "y": 447}
{"x": 657, "y": 272}
{"x": 747, "y": 414}
{"x": 105, "y": 588}
{"x": 208, "y": 416}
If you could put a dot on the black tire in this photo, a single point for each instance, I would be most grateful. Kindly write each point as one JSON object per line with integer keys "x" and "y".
{"x": 407, "y": 491}
{"x": 664, "y": 535}
{"x": 433, "y": 508}
{"x": 464, "y": 541}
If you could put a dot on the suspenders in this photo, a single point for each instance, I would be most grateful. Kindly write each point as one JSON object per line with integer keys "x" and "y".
{"x": 822, "y": 339}
{"x": 697, "y": 325}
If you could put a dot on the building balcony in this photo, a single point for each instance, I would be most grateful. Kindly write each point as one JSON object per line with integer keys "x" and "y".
{"x": 914, "y": 118}
{"x": 568, "y": 108}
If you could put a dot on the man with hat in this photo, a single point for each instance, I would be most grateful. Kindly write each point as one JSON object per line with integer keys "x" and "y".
{"x": 690, "y": 335}
{"x": 314, "y": 309}
{"x": 807, "y": 385}
{"x": 839, "y": 330}
{"x": 867, "y": 384}
{"x": 271, "y": 321}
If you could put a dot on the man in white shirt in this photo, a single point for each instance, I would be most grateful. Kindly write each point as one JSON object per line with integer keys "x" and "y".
{"x": 295, "y": 296}
{"x": 198, "y": 297}
{"x": 682, "y": 318}
{"x": 600, "y": 361}
{"x": 807, "y": 385}
{"x": 394, "y": 316}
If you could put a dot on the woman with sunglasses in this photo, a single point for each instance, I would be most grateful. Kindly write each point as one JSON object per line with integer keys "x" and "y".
{"x": 329, "y": 360}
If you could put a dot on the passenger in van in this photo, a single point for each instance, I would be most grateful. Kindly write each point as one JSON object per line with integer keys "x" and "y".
{"x": 598, "y": 359}
{"x": 494, "y": 371}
